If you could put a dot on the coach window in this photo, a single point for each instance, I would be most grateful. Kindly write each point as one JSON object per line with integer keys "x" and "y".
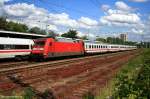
{"x": 1, "y": 46}
{"x": 21, "y": 46}
{"x": 89, "y": 46}
{"x": 7, "y": 46}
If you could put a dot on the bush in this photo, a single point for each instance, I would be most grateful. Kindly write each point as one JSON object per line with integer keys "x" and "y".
{"x": 29, "y": 93}
{"x": 135, "y": 86}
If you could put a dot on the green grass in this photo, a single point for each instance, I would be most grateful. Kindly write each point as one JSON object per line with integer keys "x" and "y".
{"x": 124, "y": 85}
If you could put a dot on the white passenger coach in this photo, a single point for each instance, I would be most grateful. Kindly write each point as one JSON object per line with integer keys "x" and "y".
{"x": 102, "y": 47}
{"x": 15, "y": 47}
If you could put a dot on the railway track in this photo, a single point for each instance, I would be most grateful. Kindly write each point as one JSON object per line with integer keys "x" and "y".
{"x": 17, "y": 66}
{"x": 69, "y": 79}
{"x": 14, "y": 64}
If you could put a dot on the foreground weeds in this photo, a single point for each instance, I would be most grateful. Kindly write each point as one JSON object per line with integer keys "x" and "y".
{"x": 132, "y": 82}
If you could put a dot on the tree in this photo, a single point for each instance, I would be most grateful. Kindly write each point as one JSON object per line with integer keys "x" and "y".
{"x": 52, "y": 34}
{"x": 70, "y": 34}
{"x": 12, "y": 26}
{"x": 84, "y": 37}
{"x": 37, "y": 30}
{"x": 19, "y": 27}
{"x": 101, "y": 39}
{"x": 3, "y": 23}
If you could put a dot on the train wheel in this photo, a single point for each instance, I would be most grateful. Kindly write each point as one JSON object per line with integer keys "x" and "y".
{"x": 18, "y": 58}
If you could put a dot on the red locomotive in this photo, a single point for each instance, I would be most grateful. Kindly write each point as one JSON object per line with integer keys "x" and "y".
{"x": 49, "y": 47}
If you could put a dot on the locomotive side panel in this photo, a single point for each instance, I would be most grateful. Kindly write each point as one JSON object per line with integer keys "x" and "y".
{"x": 65, "y": 49}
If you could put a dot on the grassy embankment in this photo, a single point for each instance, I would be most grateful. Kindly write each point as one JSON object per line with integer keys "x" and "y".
{"x": 131, "y": 82}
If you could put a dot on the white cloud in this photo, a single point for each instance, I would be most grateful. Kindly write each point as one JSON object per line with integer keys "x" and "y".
{"x": 52, "y": 27}
{"x": 105, "y": 7}
{"x": 7, "y": 0}
{"x": 137, "y": 31}
{"x": 139, "y": 0}
{"x": 121, "y": 18}
{"x": 62, "y": 19}
{"x": 23, "y": 10}
{"x": 40, "y": 17}
{"x": 120, "y": 5}
{"x": 86, "y": 22}
{"x": 80, "y": 34}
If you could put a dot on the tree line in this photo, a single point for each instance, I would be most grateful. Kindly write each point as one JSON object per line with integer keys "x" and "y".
{"x": 18, "y": 27}
{"x": 115, "y": 40}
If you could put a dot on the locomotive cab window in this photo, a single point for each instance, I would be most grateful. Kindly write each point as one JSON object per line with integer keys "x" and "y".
{"x": 39, "y": 43}
{"x": 50, "y": 44}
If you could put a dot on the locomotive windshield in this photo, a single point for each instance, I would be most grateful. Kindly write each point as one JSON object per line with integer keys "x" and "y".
{"x": 39, "y": 43}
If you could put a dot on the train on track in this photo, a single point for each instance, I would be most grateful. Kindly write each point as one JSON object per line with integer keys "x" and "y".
{"x": 49, "y": 47}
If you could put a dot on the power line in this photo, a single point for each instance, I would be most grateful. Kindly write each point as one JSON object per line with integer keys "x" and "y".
{"x": 95, "y": 3}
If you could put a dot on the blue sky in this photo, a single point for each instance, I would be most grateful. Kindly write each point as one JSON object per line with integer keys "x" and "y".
{"x": 90, "y": 8}
{"x": 89, "y": 17}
